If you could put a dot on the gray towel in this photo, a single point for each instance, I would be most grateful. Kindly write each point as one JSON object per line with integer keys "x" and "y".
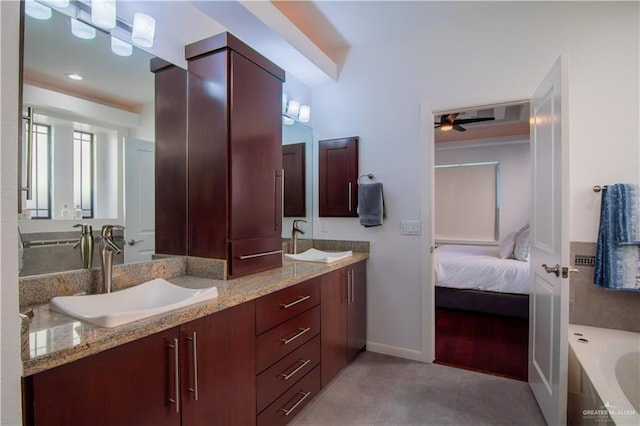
{"x": 370, "y": 204}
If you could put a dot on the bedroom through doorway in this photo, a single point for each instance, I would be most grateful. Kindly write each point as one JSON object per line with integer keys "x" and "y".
{"x": 482, "y": 196}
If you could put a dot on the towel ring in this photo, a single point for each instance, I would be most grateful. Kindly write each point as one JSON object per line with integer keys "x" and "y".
{"x": 369, "y": 175}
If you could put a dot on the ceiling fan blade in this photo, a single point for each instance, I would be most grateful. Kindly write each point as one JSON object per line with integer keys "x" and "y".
{"x": 459, "y": 128}
{"x": 473, "y": 120}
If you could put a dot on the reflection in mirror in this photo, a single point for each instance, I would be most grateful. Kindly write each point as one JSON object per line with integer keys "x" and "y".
{"x": 298, "y": 133}
{"x": 82, "y": 131}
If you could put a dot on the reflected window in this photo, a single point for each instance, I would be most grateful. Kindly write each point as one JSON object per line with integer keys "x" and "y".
{"x": 83, "y": 173}
{"x": 40, "y": 203}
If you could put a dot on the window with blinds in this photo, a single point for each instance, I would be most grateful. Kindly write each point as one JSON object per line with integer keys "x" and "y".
{"x": 467, "y": 202}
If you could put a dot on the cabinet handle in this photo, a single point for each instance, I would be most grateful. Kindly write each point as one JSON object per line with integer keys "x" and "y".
{"x": 290, "y": 410}
{"x": 353, "y": 290}
{"x": 278, "y": 200}
{"x": 348, "y": 300}
{"x": 176, "y": 378}
{"x": 295, "y": 302}
{"x": 301, "y": 331}
{"x": 194, "y": 360}
{"x": 29, "y": 153}
{"x": 266, "y": 253}
{"x": 287, "y": 376}
{"x": 349, "y": 196}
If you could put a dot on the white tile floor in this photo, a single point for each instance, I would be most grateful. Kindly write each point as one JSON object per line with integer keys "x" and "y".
{"x": 382, "y": 390}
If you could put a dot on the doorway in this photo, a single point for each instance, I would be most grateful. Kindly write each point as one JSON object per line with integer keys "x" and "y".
{"x": 481, "y": 202}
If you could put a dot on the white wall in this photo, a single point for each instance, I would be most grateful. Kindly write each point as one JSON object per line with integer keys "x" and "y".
{"x": 10, "y": 364}
{"x": 515, "y": 188}
{"x": 468, "y": 61}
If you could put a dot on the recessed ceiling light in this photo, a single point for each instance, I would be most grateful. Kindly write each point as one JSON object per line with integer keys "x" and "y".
{"x": 74, "y": 76}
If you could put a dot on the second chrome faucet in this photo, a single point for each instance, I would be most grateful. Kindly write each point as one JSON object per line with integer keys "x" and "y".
{"x": 108, "y": 248}
{"x": 295, "y": 230}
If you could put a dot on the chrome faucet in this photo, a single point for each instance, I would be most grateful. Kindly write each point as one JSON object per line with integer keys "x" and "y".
{"x": 108, "y": 248}
{"x": 86, "y": 244}
{"x": 295, "y": 230}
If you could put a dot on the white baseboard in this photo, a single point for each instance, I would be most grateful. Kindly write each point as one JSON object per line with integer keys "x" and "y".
{"x": 405, "y": 353}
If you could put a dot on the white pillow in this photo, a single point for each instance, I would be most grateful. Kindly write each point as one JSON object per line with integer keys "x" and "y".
{"x": 507, "y": 245}
{"x": 521, "y": 247}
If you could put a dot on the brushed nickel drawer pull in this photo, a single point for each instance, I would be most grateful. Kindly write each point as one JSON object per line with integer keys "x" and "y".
{"x": 194, "y": 361}
{"x": 290, "y": 410}
{"x": 295, "y": 302}
{"x": 266, "y": 253}
{"x": 176, "y": 376}
{"x": 287, "y": 376}
{"x": 295, "y": 336}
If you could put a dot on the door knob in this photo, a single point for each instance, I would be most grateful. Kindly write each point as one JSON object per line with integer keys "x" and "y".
{"x": 133, "y": 242}
{"x": 552, "y": 269}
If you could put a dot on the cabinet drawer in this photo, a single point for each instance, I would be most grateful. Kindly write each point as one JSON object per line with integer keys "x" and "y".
{"x": 278, "y": 307}
{"x": 285, "y": 373}
{"x": 254, "y": 255}
{"x": 293, "y": 401}
{"x": 285, "y": 338}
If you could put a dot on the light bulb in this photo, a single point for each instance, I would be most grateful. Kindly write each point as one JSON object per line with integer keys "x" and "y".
{"x": 103, "y": 13}
{"x": 120, "y": 47}
{"x": 61, "y": 4}
{"x": 144, "y": 29}
{"x": 37, "y": 10}
{"x": 82, "y": 30}
{"x": 305, "y": 113}
{"x": 293, "y": 108}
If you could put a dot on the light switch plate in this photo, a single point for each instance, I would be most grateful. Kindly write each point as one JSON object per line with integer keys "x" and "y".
{"x": 410, "y": 227}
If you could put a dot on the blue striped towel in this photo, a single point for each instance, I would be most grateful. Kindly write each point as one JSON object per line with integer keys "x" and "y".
{"x": 617, "y": 265}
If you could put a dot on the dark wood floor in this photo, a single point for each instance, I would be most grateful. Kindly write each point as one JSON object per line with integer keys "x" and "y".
{"x": 490, "y": 344}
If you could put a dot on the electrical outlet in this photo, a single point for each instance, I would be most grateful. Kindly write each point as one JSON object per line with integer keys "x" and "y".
{"x": 410, "y": 227}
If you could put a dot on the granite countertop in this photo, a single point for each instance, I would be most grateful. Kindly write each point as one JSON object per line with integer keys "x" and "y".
{"x": 54, "y": 339}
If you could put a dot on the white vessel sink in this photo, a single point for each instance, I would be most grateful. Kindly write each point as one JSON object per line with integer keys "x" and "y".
{"x": 313, "y": 255}
{"x": 131, "y": 304}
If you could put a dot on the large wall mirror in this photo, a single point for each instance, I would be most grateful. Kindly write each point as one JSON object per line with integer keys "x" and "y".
{"x": 91, "y": 145}
{"x": 300, "y": 135}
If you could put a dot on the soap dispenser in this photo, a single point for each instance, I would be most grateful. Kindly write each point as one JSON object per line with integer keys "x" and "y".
{"x": 86, "y": 244}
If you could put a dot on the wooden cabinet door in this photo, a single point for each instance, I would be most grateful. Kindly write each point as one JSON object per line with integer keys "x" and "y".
{"x": 131, "y": 384}
{"x": 171, "y": 159}
{"x": 218, "y": 361}
{"x": 333, "y": 296}
{"x": 255, "y": 151}
{"x": 338, "y": 177}
{"x": 357, "y": 311}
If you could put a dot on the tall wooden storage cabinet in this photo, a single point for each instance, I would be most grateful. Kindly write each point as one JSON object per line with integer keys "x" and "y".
{"x": 234, "y": 155}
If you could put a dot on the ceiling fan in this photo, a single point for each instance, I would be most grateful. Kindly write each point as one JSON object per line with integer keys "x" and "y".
{"x": 450, "y": 121}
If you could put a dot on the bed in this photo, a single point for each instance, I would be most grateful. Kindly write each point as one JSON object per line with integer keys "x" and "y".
{"x": 475, "y": 278}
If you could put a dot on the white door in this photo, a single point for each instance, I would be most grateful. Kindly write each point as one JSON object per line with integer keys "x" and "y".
{"x": 140, "y": 232}
{"x": 549, "y": 295}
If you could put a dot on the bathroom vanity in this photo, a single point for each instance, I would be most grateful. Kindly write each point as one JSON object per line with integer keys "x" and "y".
{"x": 256, "y": 354}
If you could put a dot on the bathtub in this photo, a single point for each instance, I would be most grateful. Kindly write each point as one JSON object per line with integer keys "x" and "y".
{"x": 604, "y": 376}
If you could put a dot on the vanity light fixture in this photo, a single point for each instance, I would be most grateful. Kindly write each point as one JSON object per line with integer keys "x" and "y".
{"x": 98, "y": 14}
{"x": 144, "y": 29}
{"x": 103, "y": 13}
{"x": 37, "y": 10}
{"x": 120, "y": 47}
{"x": 82, "y": 30}
{"x": 292, "y": 111}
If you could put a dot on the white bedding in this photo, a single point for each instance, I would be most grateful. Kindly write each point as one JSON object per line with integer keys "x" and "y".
{"x": 480, "y": 268}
